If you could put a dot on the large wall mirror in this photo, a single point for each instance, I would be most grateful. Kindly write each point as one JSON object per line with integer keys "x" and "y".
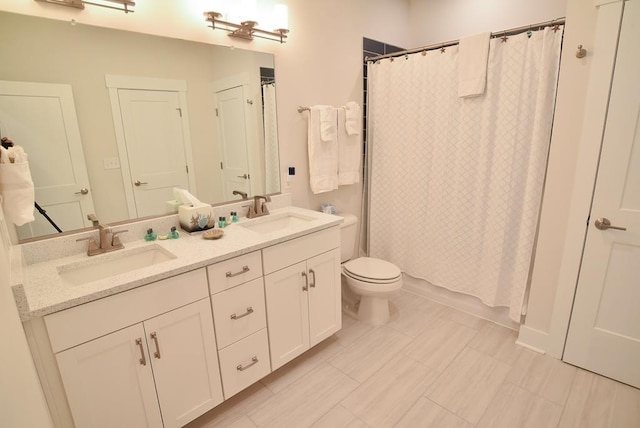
{"x": 113, "y": 120}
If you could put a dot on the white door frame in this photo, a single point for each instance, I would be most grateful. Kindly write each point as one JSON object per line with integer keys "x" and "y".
{"x": 115, "y": 82}
{"x": 601, "y": 75}
{"x": 253, "y": 140}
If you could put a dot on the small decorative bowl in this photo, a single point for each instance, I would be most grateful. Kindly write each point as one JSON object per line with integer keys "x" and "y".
{"x": 213, "y": 234}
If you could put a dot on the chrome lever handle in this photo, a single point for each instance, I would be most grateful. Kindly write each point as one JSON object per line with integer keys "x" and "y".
{"x": 237, "y": 317}
{"x": 245, "y": 176}
{"x": 604, "y": 224}
{"x": 139, "y": 183}
{"x": 305, "y": 287}
{"x": 142, "y": 360}
{"x": 82, "y": 191}
{"x": 245, "y": 269}
{"x": 254, "y": 361}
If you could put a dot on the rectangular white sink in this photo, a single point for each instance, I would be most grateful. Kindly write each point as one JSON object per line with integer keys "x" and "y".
{"x": 275, "y": 222}
{"x": 111, "y": 264}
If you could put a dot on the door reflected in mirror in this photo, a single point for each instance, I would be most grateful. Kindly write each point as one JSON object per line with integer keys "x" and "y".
{"x": 129, "y": 116}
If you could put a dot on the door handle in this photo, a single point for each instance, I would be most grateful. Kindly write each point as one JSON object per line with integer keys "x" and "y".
{"x": 245, "y": 176}
{"x": 604, "y": 224}
{"x": 82, "y": 191}
{"x": 139, "y": 183}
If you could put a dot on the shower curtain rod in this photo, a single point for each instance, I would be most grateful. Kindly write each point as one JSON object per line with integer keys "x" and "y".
{"x": 510, "y": 32}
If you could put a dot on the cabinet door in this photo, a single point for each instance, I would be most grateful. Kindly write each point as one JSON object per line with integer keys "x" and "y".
{"x": 109, "y": 382}
{"x": 325, "y": 312}
{"x": 287, "y": 313}
{"x": 185, "y": 364}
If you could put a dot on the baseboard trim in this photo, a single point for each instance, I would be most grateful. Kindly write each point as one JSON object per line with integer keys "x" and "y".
{"x": 533, "y": 339}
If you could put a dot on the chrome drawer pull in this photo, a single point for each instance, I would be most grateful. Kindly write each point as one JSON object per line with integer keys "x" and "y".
{"x": 142, "y": 360}
{"x": 305, "y": 287}
{"x": 313, "y": 283}
{"x": 237, "y": 317}
{"x": 154, "y": 336}
{"x": 245, "y": 269}
{"x": 241, "y": 368}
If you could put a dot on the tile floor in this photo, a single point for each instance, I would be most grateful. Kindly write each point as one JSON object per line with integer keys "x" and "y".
{"x": 431, "y": 366}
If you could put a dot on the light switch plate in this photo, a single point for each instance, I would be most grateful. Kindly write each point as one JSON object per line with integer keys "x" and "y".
{"x": 111, "y": 163}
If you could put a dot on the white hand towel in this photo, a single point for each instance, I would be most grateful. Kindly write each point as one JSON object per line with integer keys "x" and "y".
{"x": 18, "y": 195}
{"x": 350, "y": 152}
{"x": 323, "y": 156}
{"x": 353, "y": 118}
{"x": 328, "y": 122}
{"x": 473, "y": 53}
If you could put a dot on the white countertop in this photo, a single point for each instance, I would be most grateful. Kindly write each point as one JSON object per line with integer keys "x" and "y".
{"x": 39, "y": 290}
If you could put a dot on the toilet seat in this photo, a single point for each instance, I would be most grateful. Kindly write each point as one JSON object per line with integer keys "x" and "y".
{"x": 372, "y": 270}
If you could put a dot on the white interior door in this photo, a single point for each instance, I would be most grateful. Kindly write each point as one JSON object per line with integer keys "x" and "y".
{"x": 232, "y": 130}
{"x": 604, "y": 334}
{"x": 41, "y": 117}
{"x": 153, "y": 134}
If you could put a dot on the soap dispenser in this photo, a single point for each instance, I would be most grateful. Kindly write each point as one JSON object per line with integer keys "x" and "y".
{"x": 151, "y": 235}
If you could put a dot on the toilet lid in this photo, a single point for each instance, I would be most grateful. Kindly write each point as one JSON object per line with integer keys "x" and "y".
{"x": 371, "y": 268}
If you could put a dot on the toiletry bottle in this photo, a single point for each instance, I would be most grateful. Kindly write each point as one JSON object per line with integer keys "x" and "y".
{"x": 235, "y": 217}
{"x": 151, "y": 235}
{"x": 174, "y": 233}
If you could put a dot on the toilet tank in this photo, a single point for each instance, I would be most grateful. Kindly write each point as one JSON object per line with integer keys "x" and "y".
{"x": 348, "y": 236}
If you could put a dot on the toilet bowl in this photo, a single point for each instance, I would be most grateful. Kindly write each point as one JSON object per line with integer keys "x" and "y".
{"x": 372, "y": 280}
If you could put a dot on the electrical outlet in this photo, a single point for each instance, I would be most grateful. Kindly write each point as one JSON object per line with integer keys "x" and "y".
{"x": 111, "y": 163}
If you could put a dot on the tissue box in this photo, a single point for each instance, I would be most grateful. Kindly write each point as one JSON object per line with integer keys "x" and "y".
{"x": 196, "y": 219}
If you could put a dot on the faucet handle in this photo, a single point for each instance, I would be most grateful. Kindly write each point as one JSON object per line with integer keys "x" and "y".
{"x": 93, "y": 248}
{"x": 115, "y": 238}
{"x": 264, "y": 208}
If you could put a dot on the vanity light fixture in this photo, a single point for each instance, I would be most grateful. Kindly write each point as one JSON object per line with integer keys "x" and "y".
{"x": 246, "y": 29}
{"x": 123, "y": 5}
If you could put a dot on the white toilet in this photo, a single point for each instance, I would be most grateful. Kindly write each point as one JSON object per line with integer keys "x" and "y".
{"x": 373, "y": 280}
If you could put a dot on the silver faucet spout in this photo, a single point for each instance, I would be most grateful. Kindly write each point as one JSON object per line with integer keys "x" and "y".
{"x": 242, "y": 194}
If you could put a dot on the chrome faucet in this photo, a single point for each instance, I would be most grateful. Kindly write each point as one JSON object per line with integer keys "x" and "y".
{"x": 258, "y": 209}
{"x": 108, "y": 238}
{"x": 243, "y": 195}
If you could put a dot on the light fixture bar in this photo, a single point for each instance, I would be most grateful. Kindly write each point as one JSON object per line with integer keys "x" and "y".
{"x": 245, "y": 30}
{"x": 125, "y": 5}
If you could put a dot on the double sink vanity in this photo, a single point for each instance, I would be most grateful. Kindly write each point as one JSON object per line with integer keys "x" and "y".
{"x": 158, "y": 333}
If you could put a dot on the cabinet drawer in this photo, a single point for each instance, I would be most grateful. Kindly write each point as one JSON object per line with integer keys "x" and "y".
{"x": 236, "y": 271}
{"x": 244, "y": 363}
{"x": 239, "y": 312}
{"x": 291, "y": 252}
{"x": 85, "y": 322}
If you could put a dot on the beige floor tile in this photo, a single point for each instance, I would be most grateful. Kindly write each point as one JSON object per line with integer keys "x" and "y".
{"x": 465, "y": 319}
{"x": 468, "y": 385}
{"x": 243, "y": 422}
{"x": 498, "y": 342}
{"x": 411, "y": 314}
{"x": 305, "y": 401}
{"x": 351, "y": 331}
{"x": 543, "y": 375}
{"x": 590, "y": 402}
{"x": 427, "y": 414}
{"x": 233, "y": 409}
{"x": 302, "y": 365}
{"x": 516, "y": 407}
{"x": 339, "y": 417}
{"x": 439, "y": 344}
{"x": 369, "y": 353}
{"x": 386, "y": 396}
{"x": 626, "y": 407}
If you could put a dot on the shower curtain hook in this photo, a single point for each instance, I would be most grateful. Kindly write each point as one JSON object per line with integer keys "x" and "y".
{"x": 442, "y": 49}
{"x": 504, "y": 37}
{"x": 529, "y": 32}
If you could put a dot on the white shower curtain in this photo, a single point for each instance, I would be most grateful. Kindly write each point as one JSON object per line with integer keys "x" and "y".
{"x": 271, "y": 162}
{"x": 456, "y": 183}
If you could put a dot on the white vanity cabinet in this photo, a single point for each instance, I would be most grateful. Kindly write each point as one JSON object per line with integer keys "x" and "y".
{"x": 160, "y": 371}
{"x": 302, "y": 288}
